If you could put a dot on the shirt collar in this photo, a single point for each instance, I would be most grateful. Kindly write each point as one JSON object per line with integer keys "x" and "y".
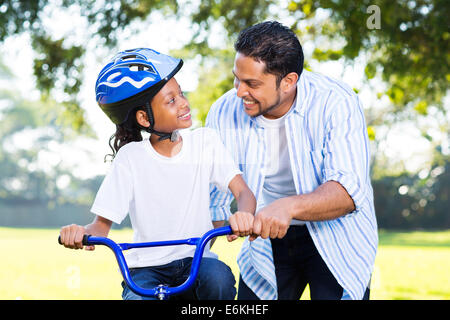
{"x": 302, "y": 94}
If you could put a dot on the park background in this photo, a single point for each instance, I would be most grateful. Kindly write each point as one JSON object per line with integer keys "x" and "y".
{"x": 53, "y": 137}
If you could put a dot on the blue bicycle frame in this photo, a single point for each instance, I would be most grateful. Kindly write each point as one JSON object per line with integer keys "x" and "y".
{"x": 161, "y": 291}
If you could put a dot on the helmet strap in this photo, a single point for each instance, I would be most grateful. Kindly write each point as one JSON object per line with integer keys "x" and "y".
{"x": 173, "y": 136}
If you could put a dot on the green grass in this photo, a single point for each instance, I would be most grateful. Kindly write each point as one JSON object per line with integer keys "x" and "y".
{"x": 409, "y": 265}
{"x": 412, "y": 265}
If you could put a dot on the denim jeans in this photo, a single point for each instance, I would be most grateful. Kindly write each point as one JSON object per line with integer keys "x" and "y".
{"x": 297, "y": 263}
{"x": 214, "y": 281}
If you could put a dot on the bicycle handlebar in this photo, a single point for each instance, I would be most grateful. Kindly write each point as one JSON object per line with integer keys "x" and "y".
{"x": 161, "y": 291}
{"x": 84, "y": 241}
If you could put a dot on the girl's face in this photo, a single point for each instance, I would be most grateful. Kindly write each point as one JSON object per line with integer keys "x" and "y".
{"x": 171, "y": 108}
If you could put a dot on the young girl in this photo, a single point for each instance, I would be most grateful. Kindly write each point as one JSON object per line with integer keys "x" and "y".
{"x": 163, "y": 183}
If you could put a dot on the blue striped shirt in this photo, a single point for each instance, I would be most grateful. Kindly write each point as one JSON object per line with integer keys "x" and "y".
{"x": 327, "y": 140}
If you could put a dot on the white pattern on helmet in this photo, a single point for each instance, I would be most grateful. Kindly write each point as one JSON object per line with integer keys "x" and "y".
{"x": 136, "y": 84}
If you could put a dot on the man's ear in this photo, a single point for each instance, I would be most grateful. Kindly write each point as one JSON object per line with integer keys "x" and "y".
{"x": 289, "y": 81}
{"x": 142, "y": 119}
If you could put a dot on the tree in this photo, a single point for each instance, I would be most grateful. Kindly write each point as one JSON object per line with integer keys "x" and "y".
{"x": 403, "y": 45}
{"x": 31, "y": 132}
{"x": 409, "y": 51}
{"x": 412, "y": 201}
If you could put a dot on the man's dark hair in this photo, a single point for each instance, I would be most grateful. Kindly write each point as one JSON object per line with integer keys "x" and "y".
{"x": 275, "y": 45}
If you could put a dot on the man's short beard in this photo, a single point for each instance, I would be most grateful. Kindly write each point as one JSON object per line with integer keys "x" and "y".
{"x": 272, "y": 107}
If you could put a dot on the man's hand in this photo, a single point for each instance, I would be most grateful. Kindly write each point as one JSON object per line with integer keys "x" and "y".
{"x": 272, "y": 221}
{"x": 241, "y": 223}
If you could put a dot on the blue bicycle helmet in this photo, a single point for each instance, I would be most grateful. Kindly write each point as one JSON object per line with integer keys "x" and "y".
{"x": 130, "y": 80}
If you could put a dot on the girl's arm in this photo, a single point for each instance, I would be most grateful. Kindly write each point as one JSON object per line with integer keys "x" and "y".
{"x": 218, "y": 224}
{"x": 242, "y": 220}
{"x": 72, "y": 235}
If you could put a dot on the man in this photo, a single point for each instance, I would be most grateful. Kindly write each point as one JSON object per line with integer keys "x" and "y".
{"x": 300, "y": 139}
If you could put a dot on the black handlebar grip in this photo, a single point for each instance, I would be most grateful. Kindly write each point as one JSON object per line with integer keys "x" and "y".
{"x": 84, "y": 241}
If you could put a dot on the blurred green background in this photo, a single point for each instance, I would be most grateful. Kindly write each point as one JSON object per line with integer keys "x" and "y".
{"x": 54, "y": 139}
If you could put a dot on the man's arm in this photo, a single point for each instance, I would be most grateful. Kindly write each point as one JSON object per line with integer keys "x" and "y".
{"x": 329, "y": 201}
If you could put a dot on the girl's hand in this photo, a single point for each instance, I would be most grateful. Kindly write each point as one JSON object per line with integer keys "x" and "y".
{"x": 241, "y": 223}
{"x": 72, "y": 237}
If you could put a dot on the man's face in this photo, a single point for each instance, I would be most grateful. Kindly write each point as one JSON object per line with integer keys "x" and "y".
{"x": 257, "y": 89}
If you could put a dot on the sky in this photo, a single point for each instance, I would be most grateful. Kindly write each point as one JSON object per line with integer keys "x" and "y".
{"x": 403, "y": 140}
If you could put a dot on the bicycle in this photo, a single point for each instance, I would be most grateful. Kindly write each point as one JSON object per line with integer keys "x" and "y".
{"x": 162, "y": 292}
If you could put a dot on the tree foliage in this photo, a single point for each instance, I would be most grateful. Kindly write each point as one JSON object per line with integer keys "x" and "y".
{"x": 411, "y": 201}
{"x": 409, "y": 51}
{"x": 31, "y": 132}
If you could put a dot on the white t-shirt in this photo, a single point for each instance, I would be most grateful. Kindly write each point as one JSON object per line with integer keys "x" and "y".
{"x": 279, "y": 181}
{"x": 167, "y": 198}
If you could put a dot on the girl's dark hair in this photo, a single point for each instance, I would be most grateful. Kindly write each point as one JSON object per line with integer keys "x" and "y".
{"x": 126, "y": 132}
{"x": 275, "y": 45}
